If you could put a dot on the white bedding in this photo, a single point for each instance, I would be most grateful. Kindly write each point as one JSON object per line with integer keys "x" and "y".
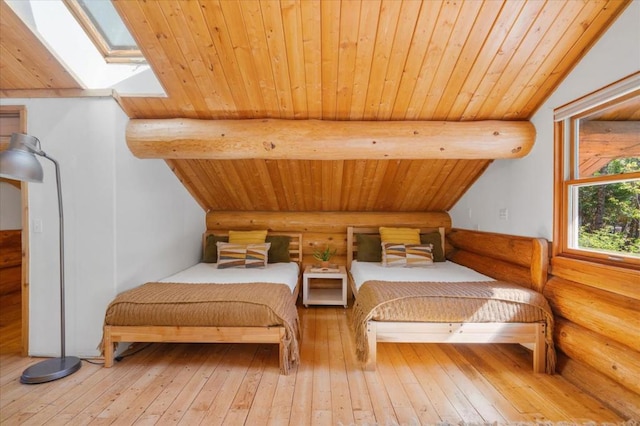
{"x": 206, "y": 273}
{"x": 439, "y": 271}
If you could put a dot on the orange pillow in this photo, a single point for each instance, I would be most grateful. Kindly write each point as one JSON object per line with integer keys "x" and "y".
{"x": 400, "y": 235}
{"x": 247, "y": 237}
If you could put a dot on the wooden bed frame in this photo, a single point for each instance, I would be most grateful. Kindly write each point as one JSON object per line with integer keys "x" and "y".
{"x": 177, "y": 334}
{"x": 462, "y": 332}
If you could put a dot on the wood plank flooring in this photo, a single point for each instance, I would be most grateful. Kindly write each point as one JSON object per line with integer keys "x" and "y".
{"x": 234, "y": 384}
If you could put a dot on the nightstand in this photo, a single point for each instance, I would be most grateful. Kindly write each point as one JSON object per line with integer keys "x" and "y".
{"x": 324, "y": 296}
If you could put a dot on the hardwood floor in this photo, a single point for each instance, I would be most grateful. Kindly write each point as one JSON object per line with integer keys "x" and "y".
{"x": 10, "y": 330}
{"x": 235, "y": 384}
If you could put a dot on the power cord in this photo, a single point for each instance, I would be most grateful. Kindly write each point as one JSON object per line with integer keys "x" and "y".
{"x": 92, "y": 362}
{"x": 131, "y": 351}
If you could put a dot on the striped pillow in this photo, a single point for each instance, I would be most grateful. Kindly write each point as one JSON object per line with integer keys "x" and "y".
{"x": 406, "y": 255}
{"x": 242, "y": 255}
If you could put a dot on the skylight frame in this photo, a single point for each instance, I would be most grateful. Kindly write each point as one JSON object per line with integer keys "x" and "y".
{"x": 93, "y": 30}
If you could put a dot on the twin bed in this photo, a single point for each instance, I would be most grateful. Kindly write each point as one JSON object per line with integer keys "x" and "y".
{"x": 443, "y": 302}
{"x": 208, "y": 304}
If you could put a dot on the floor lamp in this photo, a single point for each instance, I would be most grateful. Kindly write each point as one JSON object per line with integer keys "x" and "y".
{"x": 19, "y": 162}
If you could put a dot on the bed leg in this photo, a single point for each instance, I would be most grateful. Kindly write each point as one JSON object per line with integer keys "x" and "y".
{"x": 370, "y": 364}
{"x": 281, "y": 349}
{"x": 107, "y": 346}
{"x": 540, "y": 350}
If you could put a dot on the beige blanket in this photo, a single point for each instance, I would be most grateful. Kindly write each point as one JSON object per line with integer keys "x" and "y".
{"x": 203, "y": 305}
{"x": 489, "y": 301}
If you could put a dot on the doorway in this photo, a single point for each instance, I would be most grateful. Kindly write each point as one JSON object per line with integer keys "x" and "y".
{"x": 14, "y": 246}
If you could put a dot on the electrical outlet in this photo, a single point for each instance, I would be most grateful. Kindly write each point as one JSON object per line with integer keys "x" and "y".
{"x": 503, "y": 214}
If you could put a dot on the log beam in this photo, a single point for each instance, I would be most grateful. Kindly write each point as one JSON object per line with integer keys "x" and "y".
{"x": 599, "y": 386}
{"x": 522, "y": 260}
{"x": 322, "y": 222}
{"x": 616, "y": 361}
{"x": 328, "y": 140}
{"x": 606, "y": 313}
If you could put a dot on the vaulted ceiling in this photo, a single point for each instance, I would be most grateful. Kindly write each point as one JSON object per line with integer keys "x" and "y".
{"x": 349, "y": 60}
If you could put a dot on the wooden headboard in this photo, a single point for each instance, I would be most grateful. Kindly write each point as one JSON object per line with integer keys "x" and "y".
{"x": 295, "y": 245}
{"x": 352, "y": 243}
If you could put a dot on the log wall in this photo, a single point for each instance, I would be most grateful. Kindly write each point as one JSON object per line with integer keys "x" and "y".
{"x": 321, "y": 228}
{"x": 520, "y": 260}
{"x": 597, "y": 311}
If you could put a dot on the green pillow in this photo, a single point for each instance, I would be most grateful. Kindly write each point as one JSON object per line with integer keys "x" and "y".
{"x": 369, "y": 248}
{"x": 279, "y": 250}
{"x": 210, "y": 254}
{"x": 434, "y": 238}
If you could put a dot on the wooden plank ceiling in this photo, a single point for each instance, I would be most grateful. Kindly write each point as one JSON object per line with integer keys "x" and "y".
{"x": 352, "y": 60}
{"x": 25, "y": 62}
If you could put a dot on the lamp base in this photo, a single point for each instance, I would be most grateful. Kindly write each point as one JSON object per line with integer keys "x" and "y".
{"x": 50, "y": 369}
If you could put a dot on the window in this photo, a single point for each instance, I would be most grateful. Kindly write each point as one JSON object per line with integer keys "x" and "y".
{"x": 598, "y": 175}
{"x": 105, "y": 28}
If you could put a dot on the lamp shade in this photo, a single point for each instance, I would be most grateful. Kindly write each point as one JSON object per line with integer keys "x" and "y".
{"x": 19, "y": 161}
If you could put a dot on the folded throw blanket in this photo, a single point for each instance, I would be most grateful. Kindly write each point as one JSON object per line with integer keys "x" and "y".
{"x": 441, "y": 302}
{"x": 203, "y": 305}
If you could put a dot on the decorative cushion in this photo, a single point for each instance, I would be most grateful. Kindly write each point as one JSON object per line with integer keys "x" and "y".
{"x": 247, "y": 237}
{"x": 369, "y": 249}
{"x": 400, "y": 235}
{"x": 406, "y": 255}
{"x": 434, "y": 238}
{"x": 242, "y": 255}
{"x": 210, "y": 253}
{"x": 279, "y": 250}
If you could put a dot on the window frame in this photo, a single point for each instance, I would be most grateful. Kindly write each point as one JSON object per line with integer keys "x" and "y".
{"x": 110, "y": 55}
{"x": 566, "y": 171}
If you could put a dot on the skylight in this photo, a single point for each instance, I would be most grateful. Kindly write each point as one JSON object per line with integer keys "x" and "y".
{"x": 103, "y": 25}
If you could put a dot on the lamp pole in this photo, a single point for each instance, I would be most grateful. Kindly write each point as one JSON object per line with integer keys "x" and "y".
{"x": 19, "y": 162}
{"x": 61, "y": 242}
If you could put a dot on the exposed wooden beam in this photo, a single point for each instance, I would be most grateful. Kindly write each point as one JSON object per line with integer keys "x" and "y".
{"x": 322, "y": 222}
{"x": 328, "y": 140}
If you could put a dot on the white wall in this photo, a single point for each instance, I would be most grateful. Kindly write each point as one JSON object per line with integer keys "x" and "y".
{"x": 525, "y": 186}
{"x": 126, "y": 220}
